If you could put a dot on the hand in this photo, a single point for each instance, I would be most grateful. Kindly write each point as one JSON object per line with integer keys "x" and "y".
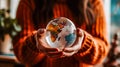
{"x": 69, "y": 51}
{"x": 44, "y": 47}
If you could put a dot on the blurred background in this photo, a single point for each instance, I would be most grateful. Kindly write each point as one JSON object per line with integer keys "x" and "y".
{"x": 9, "y": 28}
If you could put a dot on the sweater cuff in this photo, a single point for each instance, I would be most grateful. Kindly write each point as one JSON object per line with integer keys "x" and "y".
{"x": 30, "y": 46}
{"x": 31, "y": 42}
{"x": 86, "y": 44}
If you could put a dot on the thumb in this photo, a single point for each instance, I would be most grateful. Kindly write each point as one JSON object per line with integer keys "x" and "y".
{"x": 41, "y": 32}
{"x": 79, "y": 32}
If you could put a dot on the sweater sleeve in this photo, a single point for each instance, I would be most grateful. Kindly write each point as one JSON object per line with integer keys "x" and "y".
{"x": 95, "y": 45}
{"x": 24, "y": 44}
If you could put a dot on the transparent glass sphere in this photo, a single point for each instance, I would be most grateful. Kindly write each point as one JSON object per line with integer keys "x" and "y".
{"x": 60, "y": 33}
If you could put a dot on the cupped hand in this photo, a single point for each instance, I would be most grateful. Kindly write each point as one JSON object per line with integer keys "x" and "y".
{"x": 44, "y": 47}
{"x": 69, "y": 51}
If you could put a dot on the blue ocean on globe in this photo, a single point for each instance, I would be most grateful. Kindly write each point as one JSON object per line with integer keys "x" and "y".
{"x": 70, "y": 38}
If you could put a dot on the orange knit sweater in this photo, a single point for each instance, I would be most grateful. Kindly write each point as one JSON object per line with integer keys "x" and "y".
{"x": 93, "y": 50}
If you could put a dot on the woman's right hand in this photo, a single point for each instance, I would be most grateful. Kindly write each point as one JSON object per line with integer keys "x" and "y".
{"x": 44, "y": 47}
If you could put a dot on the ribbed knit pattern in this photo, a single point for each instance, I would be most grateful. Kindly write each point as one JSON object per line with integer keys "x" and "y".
{"x": 93, "y": 50}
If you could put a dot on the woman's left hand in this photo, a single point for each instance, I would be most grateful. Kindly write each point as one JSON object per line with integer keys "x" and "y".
{"x": 69, "y": 51}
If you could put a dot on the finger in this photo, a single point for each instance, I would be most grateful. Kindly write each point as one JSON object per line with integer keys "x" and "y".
{"x": 55, "y": 54}
{"x": 51, "y": 50}
{"x": 44, "y": 46}
{"x": 68, "y": 54}
{"x": 43, "y": 43}
{"x": 68, "y": 49}
{"x": 79, "y": 32}
{"x": 41, "y": 31}
{"x": 48, "y": 50}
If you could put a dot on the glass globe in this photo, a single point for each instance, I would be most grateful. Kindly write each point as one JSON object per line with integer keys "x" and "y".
{"x": 60, "y": 33}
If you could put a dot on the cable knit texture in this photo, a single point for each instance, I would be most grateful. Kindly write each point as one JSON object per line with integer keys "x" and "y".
{"x": 94, "y": 46}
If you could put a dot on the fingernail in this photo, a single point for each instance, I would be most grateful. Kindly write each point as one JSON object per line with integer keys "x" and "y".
{"x": 40, "y": 31}
{"x": 79, "y": 32}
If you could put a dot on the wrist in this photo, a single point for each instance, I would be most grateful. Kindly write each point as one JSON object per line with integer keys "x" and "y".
{"x": 31, "y": 42}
